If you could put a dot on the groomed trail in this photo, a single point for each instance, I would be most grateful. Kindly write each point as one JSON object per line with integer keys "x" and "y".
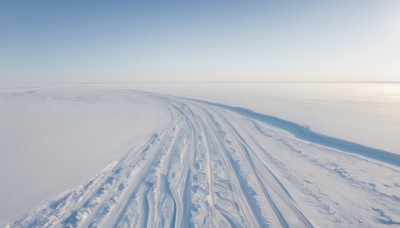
{"x": 221, "y": 166}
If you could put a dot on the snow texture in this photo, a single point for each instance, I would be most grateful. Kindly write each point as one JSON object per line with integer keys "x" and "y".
{"x": 214, "y": 165}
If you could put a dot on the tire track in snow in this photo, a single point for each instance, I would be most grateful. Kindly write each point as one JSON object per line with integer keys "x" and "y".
{"x": 212, "y": 167}
{"x": 266, "y": 179}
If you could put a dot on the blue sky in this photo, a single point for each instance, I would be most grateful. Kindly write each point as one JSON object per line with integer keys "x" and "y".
{"x": 190, "y": 41}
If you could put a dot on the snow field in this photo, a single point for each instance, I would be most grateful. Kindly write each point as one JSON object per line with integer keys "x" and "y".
{"x": 214, "y": 165}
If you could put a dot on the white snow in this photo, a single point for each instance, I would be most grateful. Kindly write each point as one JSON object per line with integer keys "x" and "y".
{"x": 366, "y": 113}
{"x": 173, "y": 161}
{"x": 52, "y": 140}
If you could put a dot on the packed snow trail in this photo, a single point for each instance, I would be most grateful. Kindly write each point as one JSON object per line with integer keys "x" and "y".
{"x": 216, "y": 166}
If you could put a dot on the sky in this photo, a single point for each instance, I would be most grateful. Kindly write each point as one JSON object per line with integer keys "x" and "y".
{"x": 47, "y": 41}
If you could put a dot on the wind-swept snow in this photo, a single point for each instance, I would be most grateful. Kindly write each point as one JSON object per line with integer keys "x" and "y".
{"x": 213, "y": 165}
{"x": 365, "y": 113}
{"x": 54, "y": 139}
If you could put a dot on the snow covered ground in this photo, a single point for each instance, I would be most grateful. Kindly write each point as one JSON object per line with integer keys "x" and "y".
{"x": 366, "y": 113}
{"x": 178, "y": 161}
{"x": 54, "y": 139}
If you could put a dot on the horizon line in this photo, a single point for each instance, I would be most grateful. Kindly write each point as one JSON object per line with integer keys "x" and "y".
{"x": 205, "y": 82}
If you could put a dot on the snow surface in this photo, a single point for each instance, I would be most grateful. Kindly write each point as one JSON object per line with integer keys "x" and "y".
{"x": 366, "y": 113}
{"x": 187, "y": 162}
{"x": 52, "y": 140}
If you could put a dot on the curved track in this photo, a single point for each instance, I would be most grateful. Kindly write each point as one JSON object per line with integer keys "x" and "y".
{"x": 212, "y": 167}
